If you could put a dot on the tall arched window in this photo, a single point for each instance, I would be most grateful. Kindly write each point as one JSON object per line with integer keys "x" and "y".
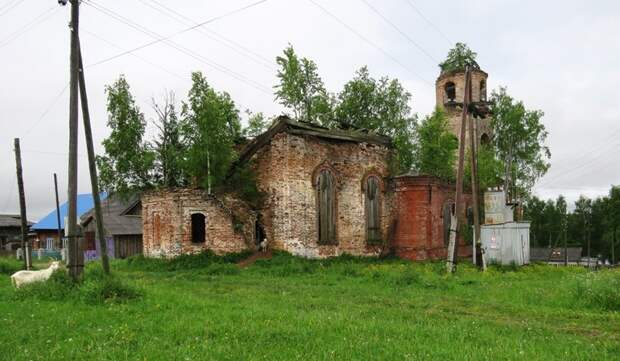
{"x": 373, "y": 203}
{"x": 450, "y": 90}
{"x": 198, "y": 228}
{"x": 326, "y": 196}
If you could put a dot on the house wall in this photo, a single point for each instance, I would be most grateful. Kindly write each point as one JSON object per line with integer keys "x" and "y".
{"x": 9, "y": 234}
{"x": 166, "y": 217}
{"x": 419, "y": 204}
{"x": 285, "y": 169}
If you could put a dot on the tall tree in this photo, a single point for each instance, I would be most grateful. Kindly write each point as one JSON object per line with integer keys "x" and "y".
{"x": 127, "y": 164}
{"x": 519, "y": 139}
{"x": 210, "y": 126}
{"x": 381, "y": 106}
{"x": 458, "y": 58}
{"x": 168, "y": 146}
{"x": 257, "y": 124}
{"x": 435, "y": 146}
{"x": 301, "y": 89}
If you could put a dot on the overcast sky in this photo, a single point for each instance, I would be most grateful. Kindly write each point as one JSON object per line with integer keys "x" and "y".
{"x": 558, "y": 56}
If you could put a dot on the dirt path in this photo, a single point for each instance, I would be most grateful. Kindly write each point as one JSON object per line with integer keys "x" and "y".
{"x": 255, "y": 257}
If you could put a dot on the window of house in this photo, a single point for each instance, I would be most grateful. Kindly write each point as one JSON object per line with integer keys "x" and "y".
{"x": 450, "y": 90}
{"x": 198, "y": 228}
{"x": 326, "y": 195}
{"x": 373, "y": 219}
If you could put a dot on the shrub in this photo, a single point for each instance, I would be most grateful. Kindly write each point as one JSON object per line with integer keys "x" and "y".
{"x": 599, "y": 290}
{"x": 107, "y": 289}
{"x": 9, "y": 266}
{"x": 57, "y": 288}
{"x": 182, "y": 262}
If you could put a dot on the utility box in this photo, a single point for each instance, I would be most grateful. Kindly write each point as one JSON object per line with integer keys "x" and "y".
{"x": 496, "y": 210}
{"x": 506, "y": 243}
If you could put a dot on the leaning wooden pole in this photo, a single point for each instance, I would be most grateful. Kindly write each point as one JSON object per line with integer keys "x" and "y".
{"x": 92, "y": 167}
{"x": 76, "y": 257}
{"x": 454, "y": 224}
{"x": 473, "y": 145}
{"x": 58, "y": 224}
{"x": 22, "y": 206}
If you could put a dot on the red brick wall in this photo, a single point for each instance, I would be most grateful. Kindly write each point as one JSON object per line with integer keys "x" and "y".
{"x": 419, "y": 202}
{"x": 285, "y": 170}
{"x": 166, "y": 219}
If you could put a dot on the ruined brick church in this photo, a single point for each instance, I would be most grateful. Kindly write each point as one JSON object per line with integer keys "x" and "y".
{"x": 327, "y": 192}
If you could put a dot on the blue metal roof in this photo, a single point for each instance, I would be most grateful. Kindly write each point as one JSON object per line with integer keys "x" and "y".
{"x": 84, "y": 204}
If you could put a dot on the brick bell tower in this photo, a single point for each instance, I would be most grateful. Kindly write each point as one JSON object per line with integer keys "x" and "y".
{"x": 450, "y": 90}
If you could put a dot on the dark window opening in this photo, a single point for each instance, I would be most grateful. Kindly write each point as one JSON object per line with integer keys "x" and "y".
{"x": 483, "y": 90}
{"x": 450, "y": 90}
{"x": 484, "y": 139}
{"x": 198, "y": 228}
{"x": 259, "y": 232}
{"x": 327, "y": 208}
{"x": 373, "y": 219}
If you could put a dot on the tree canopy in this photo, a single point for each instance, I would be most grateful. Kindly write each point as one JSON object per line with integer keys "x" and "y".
{"x": 435, "y": 146}
{"x": 128, "y": 162}
{"x": 458, "y": 58}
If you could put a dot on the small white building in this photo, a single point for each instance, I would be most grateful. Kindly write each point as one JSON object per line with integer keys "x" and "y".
{"x": 504, "y": 241}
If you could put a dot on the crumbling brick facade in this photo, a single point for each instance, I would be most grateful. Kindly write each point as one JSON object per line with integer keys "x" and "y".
{"x": 422, "y": 228}
{"x": 287, "y": 171}
{"x": 167, "y": 223}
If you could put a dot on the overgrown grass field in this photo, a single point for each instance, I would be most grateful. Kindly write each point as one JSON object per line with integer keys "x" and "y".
{"x": 207, "y": 308}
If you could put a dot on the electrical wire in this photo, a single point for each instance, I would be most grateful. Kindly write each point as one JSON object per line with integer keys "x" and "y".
{"x": 234, "y": 46}
{"x": 166, "y": 40}
{"x": 400, "y": 31}
{"x": 411, "y": 4}
{"x": 46, "y": 111}
{"x": 9, "y": 6}
{"x": 369, "y": 42}
{"x": 38, "y": 20}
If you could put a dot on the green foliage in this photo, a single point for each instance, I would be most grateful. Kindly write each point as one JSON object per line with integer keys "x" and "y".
{"x": 168, "y": 147}
{"x": 210, "y": 126}
{"x": 519, "y": 139}
{"x": 381, "y": 106}
{"x": 107, "y": 289}
{"x": 346, "y": 308}
{"x": 127, "y": 164}
{"x": 301, "y": 89}
{"x": 600, "y": 290}
{"x": 257, "y": 125}
{"x": 243, "y": 182}
{"x": 182, "y": 262}
{"x": 59, "y": 287}
{"x": 458, "y": 58}
{"x": 489, "y": 168}
{"x": 435, "y": 147}
{"x": 8, "y": 266}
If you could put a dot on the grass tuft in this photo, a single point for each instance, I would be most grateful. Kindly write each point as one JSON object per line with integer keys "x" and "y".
{"x": 599, "y": 290}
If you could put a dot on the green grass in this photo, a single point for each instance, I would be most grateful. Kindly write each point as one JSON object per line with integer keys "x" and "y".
{"x": 294, "y": 309}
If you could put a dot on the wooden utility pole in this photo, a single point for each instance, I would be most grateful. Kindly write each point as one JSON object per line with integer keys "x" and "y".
{"x": 76, "y": 257}
{"x": 454, "y": 224}
{"x": 58, "y": 211}
{"x": 92, "y": 167}
{"x": 473, "y": 144}
{"x": 22, "y": 206}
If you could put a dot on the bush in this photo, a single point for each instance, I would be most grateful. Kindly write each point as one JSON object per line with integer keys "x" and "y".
{"x": 599, "y": 290}
{"x": 182, "y": 262}
{"x": 9, "y": 266}
{"x": 58, "y": 287}
{"x": 107, "y": 289}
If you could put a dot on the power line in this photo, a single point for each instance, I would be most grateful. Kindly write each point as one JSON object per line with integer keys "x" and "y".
{"x": 410, "y": 3}
{"x": 10, "y": 6}
{"x": 585, "y": 165}
{"x": 39, "y": 19}
{"x": 47, "y": 110}
{"x": 369, "y": 42}
{"x": 134, "y": 55}
{"x": 166, "y": 40}
{"x": 236, "y": 47}
{"x": 401, "y": 32}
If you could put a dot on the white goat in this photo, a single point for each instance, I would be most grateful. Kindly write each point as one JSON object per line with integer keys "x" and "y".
{"x": 263, "y": 245}
{"x": 24, "y": 277}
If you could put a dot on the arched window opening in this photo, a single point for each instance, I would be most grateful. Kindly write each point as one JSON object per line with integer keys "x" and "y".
{"x": 450, "y": 90}
{"x": 373, "y": 216}
{"x": 198, "y": 228}
{"x": 483, "y": 90}
{"x": 446, "y": 214}
{"x": 326, "y": 195}
{"x": 485, "y": 140}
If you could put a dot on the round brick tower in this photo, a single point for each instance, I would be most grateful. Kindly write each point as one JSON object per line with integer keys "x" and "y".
{"x": 450, "y": 89}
